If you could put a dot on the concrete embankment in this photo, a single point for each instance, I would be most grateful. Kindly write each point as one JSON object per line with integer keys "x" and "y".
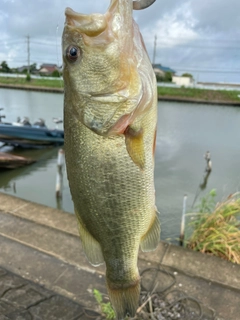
{"x": 160, "y": 98}
{"x": 198, "y": 101}
{"x": 31, "y": 88}
{"x": 41, "y": 245}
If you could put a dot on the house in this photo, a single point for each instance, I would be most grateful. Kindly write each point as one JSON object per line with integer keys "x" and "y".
{"x": 22, "y": 69}
{"x": 161, "y": 70}
{"x": 48, "y": 68}
{"x": 183, "y": 81}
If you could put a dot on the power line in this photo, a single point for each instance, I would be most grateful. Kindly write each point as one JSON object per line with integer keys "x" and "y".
{"x": 187, "y": 46}
{"x": 200, "y": 39}
{"x": 205, "y": 70}
{"x": 45, "y": 44}
{"x": 11, "y": 40}
{"x": 205, "y": 67}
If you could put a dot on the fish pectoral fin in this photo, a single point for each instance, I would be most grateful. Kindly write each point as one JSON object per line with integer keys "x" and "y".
{"x": 135, "y": 146}
{"x": 90, "y": 245}
{"x": 150, "y": 240}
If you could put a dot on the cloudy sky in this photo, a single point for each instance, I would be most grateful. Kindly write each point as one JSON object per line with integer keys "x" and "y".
{"x": 201, "y": 37}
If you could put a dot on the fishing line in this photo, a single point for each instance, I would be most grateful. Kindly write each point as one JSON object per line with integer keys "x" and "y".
{"x": 170, "y": 303}
{"x": 165, "y": 304}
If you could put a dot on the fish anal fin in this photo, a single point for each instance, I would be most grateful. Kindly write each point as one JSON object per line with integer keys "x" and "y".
{"x": 150, "y": 240}
{"x": 135, "y": 146}
{"x": 90, "y": 245}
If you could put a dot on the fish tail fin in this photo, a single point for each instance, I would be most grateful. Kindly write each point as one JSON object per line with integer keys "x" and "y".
{"x": 124, "y": 298}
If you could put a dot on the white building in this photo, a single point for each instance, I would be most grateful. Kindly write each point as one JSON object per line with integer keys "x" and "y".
{"x": 183, "y": 81}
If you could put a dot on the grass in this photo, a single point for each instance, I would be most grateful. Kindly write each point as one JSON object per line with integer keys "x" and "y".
{"x": 216, "y": 229}
{"x": 187, "y": 93}
{"x": 106, "y": 307}
{"x": 203, "y": 94}
{"x": 58, "y": 83}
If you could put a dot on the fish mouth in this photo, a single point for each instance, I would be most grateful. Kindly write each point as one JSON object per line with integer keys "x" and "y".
{"x": 96, "y": 23}
{"x": 92, "y": 25}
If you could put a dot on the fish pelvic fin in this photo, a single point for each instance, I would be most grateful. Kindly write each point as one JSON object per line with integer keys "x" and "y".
{"x": 90, "y": 245}
{"x": 135, "y": 146}
{"x": 150, "y": 240}
{"x": 124, "y": 299}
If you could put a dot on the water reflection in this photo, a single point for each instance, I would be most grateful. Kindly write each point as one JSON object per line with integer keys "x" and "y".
{"x": 185, "y": 132}
{"x": 208, "y": 170}
{"x": 202, "y": 186}
{"x": 43, "y": 157}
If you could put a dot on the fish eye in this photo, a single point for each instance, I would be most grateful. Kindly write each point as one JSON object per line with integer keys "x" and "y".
{"x": 72, "y": 53}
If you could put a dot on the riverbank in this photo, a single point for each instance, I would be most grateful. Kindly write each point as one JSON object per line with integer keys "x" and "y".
{"x": 48, "y": 240}
{"x": 186, "y": 95}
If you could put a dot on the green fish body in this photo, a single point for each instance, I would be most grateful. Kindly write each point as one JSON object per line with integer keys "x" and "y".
{"x": 110, "y": 116}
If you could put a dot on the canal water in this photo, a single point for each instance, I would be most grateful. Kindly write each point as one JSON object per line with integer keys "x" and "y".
{"x": 185, "y": 133}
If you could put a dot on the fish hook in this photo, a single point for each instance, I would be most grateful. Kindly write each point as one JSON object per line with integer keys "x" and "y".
{"x": 142, "y": 4}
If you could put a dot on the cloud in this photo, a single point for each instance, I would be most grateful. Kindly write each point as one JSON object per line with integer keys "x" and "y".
{"x": 194, "y": 34}
{"x": 177, "y": 27}
{"x": 217, "y": 16}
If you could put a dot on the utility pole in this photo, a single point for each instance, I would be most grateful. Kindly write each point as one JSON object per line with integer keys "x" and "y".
{"x": 154, "y": 50}
{"x": 28, "y": 53}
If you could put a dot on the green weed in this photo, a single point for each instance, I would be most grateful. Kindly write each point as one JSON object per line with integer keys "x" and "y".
{"x": 216, "y": 227}
{"x": 106, "y": 307}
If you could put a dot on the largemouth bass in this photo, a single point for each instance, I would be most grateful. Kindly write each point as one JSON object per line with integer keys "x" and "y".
{"x": 110, "y": 116}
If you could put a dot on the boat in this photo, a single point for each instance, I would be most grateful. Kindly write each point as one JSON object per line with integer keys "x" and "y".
{"x": 24, "y": 134}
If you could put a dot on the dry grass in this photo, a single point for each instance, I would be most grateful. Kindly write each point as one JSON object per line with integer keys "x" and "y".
{"x": 218, "y": 232}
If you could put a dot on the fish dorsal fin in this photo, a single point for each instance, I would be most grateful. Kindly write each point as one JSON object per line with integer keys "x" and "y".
{"x": 135, "y": 146}
{"x": 150, "y": 240}
{"x": 90, "y": 245}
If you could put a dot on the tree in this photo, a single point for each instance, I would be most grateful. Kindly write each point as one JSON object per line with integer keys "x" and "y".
{"x": 55, "y": 74}
{"x": 168, "y": 77}
{"x": 33, "y": 67}
{"x": 5, "y": 67}
{"x": 28, "y": 77}
{"x": 189, "y": 75}
{"x": 159, "y": 78}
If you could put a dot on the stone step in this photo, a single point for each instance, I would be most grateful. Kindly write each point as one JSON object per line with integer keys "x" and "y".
{"x": 55, "y": 242}
{"x": 48, "y": 271}
{"x": 42, "y": 245}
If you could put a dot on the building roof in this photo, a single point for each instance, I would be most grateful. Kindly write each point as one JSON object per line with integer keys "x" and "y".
{"x": 165, "y": 69}
{"x": 48, "y": 65}
{"x": 21, "y": 69}
{"x": 48, "y": 68}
